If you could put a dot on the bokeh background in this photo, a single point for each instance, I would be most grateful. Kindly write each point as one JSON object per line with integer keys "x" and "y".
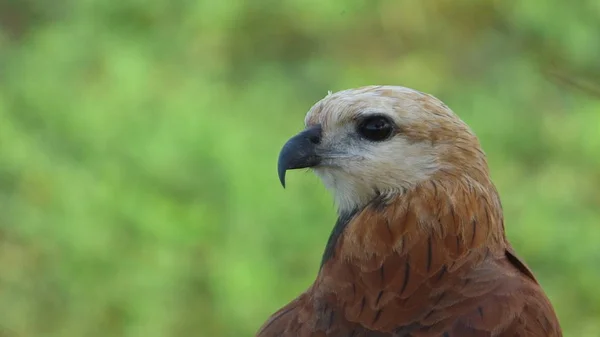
{"x": 139, "y": 138}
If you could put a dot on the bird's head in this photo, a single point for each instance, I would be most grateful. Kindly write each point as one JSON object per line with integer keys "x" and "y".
{"x": 381, "y": 139}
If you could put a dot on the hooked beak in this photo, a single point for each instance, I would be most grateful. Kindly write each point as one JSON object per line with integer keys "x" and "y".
{"x": 300, "y": 151}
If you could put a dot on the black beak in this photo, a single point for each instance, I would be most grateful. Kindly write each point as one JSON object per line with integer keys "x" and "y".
{"x": 300, "y": 152}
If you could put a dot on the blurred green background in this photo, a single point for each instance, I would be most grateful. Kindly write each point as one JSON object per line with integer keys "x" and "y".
{"x": 139, "y": 139}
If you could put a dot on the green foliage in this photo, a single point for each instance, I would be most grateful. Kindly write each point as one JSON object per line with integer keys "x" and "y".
{"x": 138, "y": 144}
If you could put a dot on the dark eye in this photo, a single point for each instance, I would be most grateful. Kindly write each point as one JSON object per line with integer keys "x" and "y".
{"x": 376, "y": 128}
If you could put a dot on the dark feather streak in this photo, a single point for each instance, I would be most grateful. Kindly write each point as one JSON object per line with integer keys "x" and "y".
{"x": 435, "y": 191}
{"x": 429, "y": 253}
{"x": 402, "y": 244}
{"x": 337, "y": 231}
{"x": 440, "y": 298}
{"x": 377, "y": 315}
{"x": 442, "y": 272}
{"x": 387, "y": 225}
{"x": 515, "y": 261}
{"x": 406, "y": 276}
{"x": 457, "y": 244}
{"x": 379, "y": 297}
{"x": 474, "y": 224}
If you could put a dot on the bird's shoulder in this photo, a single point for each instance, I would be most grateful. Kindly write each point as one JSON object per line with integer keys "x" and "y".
{"x": 434, "y": 264}
{"x": 494, "y": 299}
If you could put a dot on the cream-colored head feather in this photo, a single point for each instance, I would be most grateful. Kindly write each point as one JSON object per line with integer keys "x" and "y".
{"x": 428, "y": 142}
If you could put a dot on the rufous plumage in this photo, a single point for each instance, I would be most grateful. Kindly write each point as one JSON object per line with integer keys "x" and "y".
{"x": 419, "y": 247}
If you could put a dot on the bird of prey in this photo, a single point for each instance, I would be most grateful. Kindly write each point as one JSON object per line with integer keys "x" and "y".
{"x": 419, "y": 247}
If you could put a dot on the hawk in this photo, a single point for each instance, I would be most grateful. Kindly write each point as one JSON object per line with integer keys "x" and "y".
{"x": 419, "y": 247}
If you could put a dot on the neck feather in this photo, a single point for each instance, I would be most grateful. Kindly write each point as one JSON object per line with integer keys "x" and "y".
{"x": 464, "y": 208}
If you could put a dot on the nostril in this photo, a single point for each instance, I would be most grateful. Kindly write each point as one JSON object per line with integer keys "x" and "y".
{"x": 313, "y": 134}
{"x": 314, "y": 139}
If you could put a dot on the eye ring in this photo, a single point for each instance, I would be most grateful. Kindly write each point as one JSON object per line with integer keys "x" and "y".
{"x": 376, "y": 128}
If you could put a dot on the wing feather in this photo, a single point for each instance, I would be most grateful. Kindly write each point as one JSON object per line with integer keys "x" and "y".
{"x": 432, "y": 262}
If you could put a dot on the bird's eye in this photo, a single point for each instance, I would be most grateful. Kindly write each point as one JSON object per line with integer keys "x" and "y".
{"x": 376, "y": 128}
